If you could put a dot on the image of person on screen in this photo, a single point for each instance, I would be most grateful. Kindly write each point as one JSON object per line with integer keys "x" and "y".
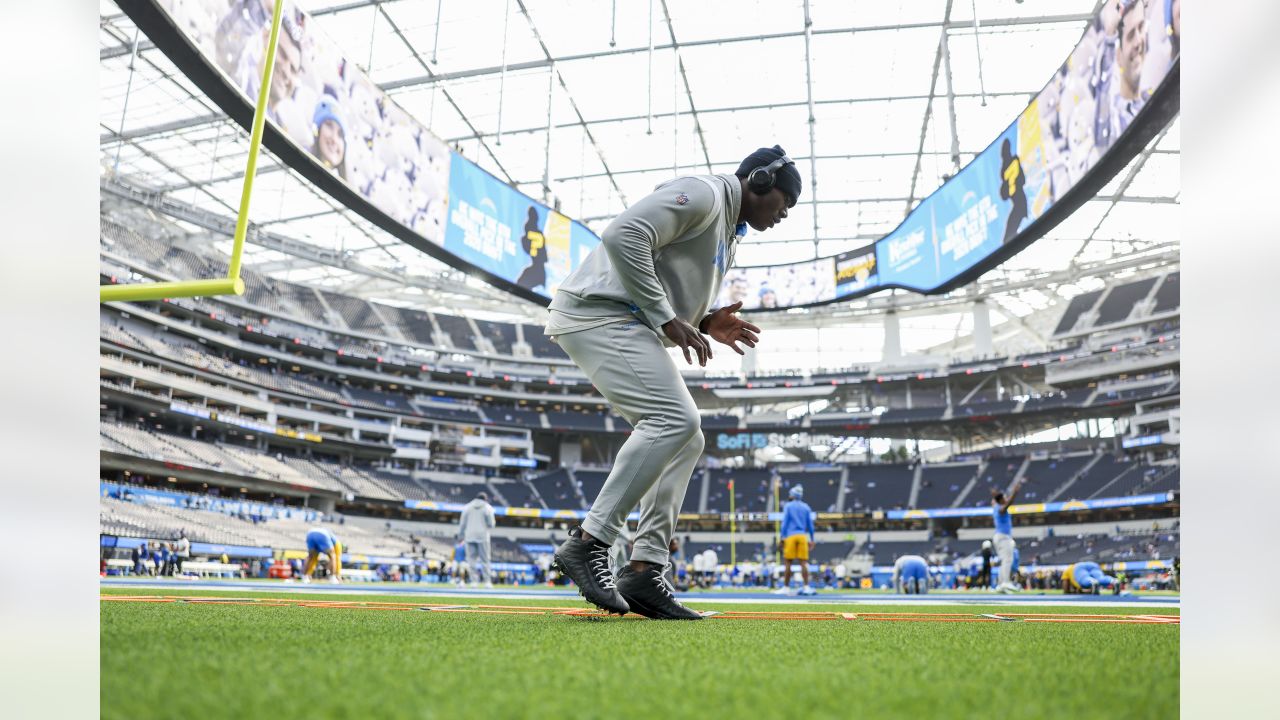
{"x": 1164, "y": 40}
{"x": 241, "y": 41}
{"x": 535, "y": 245}
{"x": 768, "y": 298}
{"x": 1108, "y": 23}
{"x": 329, "y": 131}
{"x": 737, "y": 291}
{"x": 1119, "y": 97}
{"x": 1012, "y": 182}
{"x": 1076, "y": 119}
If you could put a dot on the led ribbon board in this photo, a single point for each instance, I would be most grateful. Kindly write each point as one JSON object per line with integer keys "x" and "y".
{"x": 1115, "y": 92}
{"x": 329, "y": 122}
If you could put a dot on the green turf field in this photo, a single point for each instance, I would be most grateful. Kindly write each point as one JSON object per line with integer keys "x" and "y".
{"x": 243, "y": 662}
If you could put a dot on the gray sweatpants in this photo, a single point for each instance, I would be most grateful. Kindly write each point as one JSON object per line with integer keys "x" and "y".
{"x": 629, "y": 366}
{"x": 478, "y": 558}
{"x": 1004, "y": 546}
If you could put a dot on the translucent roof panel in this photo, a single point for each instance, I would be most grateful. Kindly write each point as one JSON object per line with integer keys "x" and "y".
{"x": 724, "y": 77}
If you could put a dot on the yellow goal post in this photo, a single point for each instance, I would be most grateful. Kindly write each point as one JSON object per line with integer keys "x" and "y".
{"x": 232, "y": 284}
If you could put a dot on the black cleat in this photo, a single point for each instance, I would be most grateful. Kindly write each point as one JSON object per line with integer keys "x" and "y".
{"x": 586, "y": 562}
{"x": 649, "y": 594}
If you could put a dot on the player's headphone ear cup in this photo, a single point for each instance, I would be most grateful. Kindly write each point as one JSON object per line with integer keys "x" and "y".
{"x": 760, "y": 181}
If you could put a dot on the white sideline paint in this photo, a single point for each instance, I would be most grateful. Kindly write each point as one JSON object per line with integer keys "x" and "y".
{"x": 1102, "y": 602}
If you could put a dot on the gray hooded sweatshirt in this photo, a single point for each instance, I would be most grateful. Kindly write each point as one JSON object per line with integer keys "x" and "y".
{"x": 662, "y": 258}
{"x": 476, "y": 520}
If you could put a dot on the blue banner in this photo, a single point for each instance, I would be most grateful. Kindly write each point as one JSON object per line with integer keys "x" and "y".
{"x": 197, "y": 548}
{"x": 1033, "y": 508}
{"x": 506, "y": 511}
{"x": 1030, "y": 508}
{"x": 966, "y": 220}
{"x": 229, "y": 506}
{"x": 494, "y": 226}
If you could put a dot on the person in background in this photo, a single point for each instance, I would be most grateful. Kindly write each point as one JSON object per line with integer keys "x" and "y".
{"x": 710, "y": 563}
{"x": 460, "y": 563}
{"x": 736, "y": 290}
{"x": 984, "y": 575}
{"x": 182, "y": 552}
{"x": 241, "y": 42}
{"x": 320, "y": 540}
{"x": 797, "y": 537}
{"x": 911, "y": 575}
{"x": 473, "y": 527}
{"x": 1120, "y": 96}
{"x": 1085, "y": 577}
{"x": 1002, "y": 540}
{"x": 329, "y": 127}
{"x": 139, "y": 557}
{"x": 768, "y": 298}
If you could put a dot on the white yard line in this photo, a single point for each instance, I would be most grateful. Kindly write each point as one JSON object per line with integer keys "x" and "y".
{"x": 1101, "y": 602}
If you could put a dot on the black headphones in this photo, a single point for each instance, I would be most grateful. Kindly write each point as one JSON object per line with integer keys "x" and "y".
{"x": 760, "y": 180}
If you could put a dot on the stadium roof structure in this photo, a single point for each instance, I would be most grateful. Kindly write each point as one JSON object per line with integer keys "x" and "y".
{"x": 590, "y": 103}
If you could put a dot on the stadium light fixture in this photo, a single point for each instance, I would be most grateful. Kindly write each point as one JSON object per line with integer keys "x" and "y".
{"x": 232, "y": 284}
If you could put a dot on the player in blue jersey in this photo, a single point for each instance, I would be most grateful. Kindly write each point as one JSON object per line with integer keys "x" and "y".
{"x": 1003, "y": 537}
{"x": 322, "y": 540}
{"x": 797, "y": 537}
{"x": 1085, "y": 577}
{"x": 911, "y": 575}
{"x": 460, "y": 571}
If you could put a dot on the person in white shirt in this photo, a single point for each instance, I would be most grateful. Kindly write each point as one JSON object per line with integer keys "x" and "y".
{"x": 182, "y": 551}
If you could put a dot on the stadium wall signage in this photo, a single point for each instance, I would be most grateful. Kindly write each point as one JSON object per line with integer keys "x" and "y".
{"x": 328, "y": 121}
{"x": 1035, "y": 508}
{"x": 758, "y": 441}
{"x": 1032, "y": 508}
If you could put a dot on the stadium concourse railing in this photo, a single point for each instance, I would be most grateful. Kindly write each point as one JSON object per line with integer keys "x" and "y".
{"x": 861, "y": 420}
{"x": 355, "y": 565}
{"x": 532, "y": 370}
{"x": 878, "y": 574}
{"x": 949, "y": 575}
{"x": 235, "y": 507}
{"x": 405, "y": 351}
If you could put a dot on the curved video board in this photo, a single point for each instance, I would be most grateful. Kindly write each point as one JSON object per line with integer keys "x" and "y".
{"x": 1116, "y": 90}
{"x": 328, "y": 121}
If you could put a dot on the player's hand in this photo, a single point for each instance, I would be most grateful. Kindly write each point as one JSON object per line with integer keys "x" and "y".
{"x": 687, "y": 336}
{"x": 729, "y": 329}
{"x": 811, "y": 545}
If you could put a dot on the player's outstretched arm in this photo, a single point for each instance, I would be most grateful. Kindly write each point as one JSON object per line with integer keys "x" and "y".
{"x": 726, "y": 328}
{"x": 1013, "y": 494}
